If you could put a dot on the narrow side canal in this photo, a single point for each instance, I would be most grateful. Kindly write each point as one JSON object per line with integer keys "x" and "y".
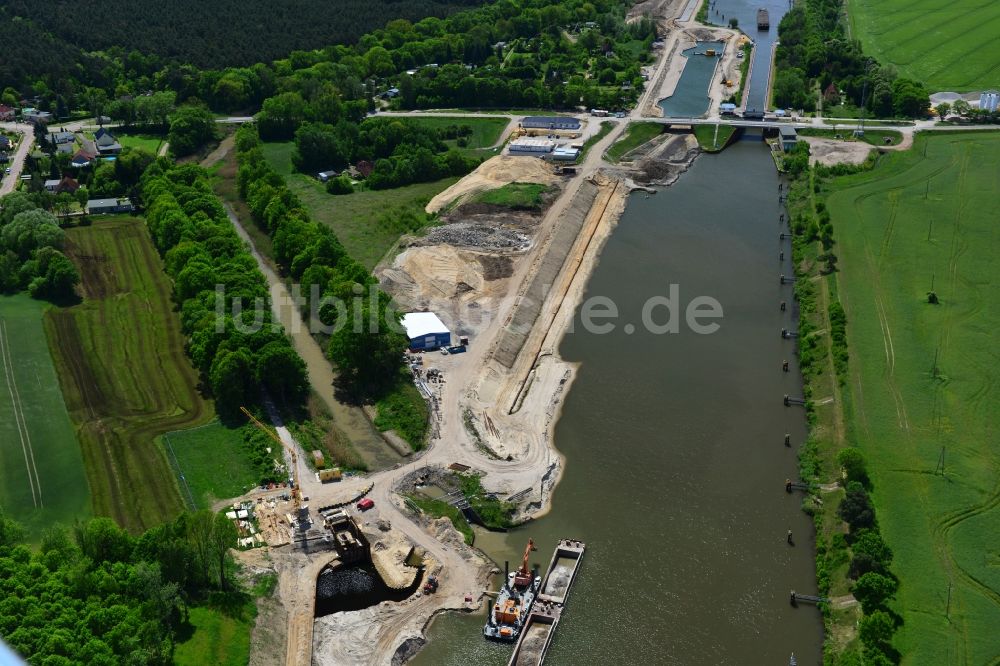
{"x": 674, "y": 444}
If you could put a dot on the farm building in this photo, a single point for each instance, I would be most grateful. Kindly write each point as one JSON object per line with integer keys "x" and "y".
{"x": 531, "y": 146}
{"x": 425, "y": 331}
{"x": 551, "y": 123}
{"x": 107, "y": 206}
{"x": 788, "y": 137}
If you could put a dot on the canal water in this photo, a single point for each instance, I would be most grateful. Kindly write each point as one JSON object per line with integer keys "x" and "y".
{"x": 674, "y": 444}
{"x": 745, "y": 12}
{"x": 690, "y": 97}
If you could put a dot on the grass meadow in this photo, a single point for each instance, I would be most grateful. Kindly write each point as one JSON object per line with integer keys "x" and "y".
{"x": 210, "y": 462}
{"x": 125, "y": 378}
{"x": 924, "y": 399}
{"x": 42, "y": 478}
{"x": 636, "y": 134}
{"x": 948, "y": 46}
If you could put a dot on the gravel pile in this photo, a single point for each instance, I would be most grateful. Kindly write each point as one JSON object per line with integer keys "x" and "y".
{"x": 478, "y": 236}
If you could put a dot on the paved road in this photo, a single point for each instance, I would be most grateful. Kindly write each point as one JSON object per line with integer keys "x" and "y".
{"x": 16, "y": 164}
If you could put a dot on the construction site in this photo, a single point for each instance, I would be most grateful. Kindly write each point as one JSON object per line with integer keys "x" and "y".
{"x": 362, "y": 570}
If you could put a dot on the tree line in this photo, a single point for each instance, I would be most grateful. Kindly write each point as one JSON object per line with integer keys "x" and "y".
{"x": 814, "y": 51}
{"x": 369, "y": 357}
{"x": 94, "y": 594}
{"x": 31, "y": 258}
{"x": 233, "y": 343}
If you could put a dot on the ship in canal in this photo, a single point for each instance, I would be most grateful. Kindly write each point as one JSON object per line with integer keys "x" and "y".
{"x": 763, "y": 20}
{"x": 514, "y": 601}
{"x": 543, "y": 620}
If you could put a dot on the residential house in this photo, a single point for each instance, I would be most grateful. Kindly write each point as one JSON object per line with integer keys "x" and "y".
{"x": 107, "y": 144}
{"x": 51, "y": 185}
{"x": 6, "y": 112}
{"x": 326, "y": 175}
{"x": 82, "y": 159}
{"x": 68, "y": 185}
{"x": 57, "y": 138}
{"x": 390, "y": 93}
{"x": 109, "y": 206}
{"x": 5, "y": 143}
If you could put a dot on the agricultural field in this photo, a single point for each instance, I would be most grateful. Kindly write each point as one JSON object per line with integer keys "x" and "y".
{"x": 41, "y": 469}
{"x": 120, "y": 360}
{"x": 924, "y": 403}
{"x": 948, "y": 46}
{"x": 367, "y": 221}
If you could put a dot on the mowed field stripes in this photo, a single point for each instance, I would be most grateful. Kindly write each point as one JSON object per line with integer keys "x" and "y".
{"x": 41, "y": 467}
{"x": 20, "y": 423}
{"x": 123, "y": 370}
{"x": 947, "y": 46}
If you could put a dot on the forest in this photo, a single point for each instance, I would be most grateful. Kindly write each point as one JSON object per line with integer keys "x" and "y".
{"x": 94, "y": 594}
{"x": 508, "y": 53}
{"x": 815, "y": 55}
{"x": 212, "y": 34}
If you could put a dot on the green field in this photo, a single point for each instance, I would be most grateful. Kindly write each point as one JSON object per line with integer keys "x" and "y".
{"x": 873, "y": 136}
{"x": 485, "y": 131}
{"x": 218, "y": 637}
{"x": 212, "y": 463}
{"x": 948, "y": 46}
{"x": 636, "y": 134}
{"x": 923, "y": 392}
{"x": 147, "y": 142}
{"x": 518, "y": 196}
{"x": 124, "y": 375}
{"x": 713, "y": 138}
{"x": 363, "y": 221}
{"x": 41, "y": 469}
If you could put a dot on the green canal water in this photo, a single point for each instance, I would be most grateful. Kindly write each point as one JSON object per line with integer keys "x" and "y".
{"x": 690, "y": 97}
{"x": 674, "y": 446}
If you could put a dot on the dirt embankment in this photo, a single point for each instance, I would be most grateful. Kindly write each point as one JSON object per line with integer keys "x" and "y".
{"x": 491, "y": 174}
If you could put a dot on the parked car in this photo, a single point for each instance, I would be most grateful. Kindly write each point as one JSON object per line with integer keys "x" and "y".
{"x": 365, "y": 504}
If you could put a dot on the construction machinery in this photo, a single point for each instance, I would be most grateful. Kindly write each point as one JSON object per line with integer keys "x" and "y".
{"x": 514, "y": 601}
{"x": 301, "y": 514}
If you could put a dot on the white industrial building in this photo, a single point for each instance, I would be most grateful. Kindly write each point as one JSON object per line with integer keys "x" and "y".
{"x": 989, "y": 100}
{"x": 425, "y": 331}
{"x": 531, "y": 146}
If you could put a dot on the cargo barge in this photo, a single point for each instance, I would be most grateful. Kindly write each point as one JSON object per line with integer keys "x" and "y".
{"x": 543, "y": 619}
{"x": 763, "y": 20}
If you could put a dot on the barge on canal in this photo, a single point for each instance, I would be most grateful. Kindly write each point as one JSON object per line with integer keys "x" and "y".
{"x": 763, "y": 20}
{"x": 540, "y": 627}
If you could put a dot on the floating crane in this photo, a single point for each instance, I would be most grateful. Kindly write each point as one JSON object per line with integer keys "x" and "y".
{"x": 523, "y": 577}
{"x": 296, "y": 499}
